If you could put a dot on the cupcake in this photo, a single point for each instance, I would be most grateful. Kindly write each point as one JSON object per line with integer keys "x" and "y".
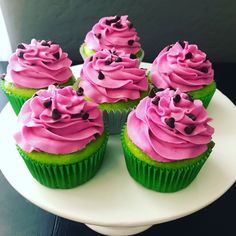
{"x": 184, "y": 66}
{"x": 35, "y": 66}
{"x": 61, "y": 137}
{"x": 114, "y": 81}
{"x": 167, "y": 140}
{"x": 112, "y": 32}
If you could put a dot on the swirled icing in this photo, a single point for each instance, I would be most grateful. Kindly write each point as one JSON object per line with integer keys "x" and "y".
{"x": 38, "y": 64}
{"x": 183, "y": 66}
{"x": 149, "y": 126}
{"x": 58, "y": 121}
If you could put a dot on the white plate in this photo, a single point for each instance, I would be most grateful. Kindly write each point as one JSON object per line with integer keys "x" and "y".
{"x": 112, "y": 197}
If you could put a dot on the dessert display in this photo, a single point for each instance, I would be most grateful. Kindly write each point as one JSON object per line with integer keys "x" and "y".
{"x": 183, "y": 65}
{"x": 167, "y": 140}
{"x": 35, "y": 66}
{"x": 114, "y": 81}
{"x": 112, "y": 32}
{"x": 61, "y": 137}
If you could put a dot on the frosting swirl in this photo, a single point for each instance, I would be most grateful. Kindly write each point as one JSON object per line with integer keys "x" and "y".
{"x": 170, "y": 126}
{"x": 183, "y": 66}
{"x": 58, "y": 121}
{"x": 39, "y": 64}
{"x": 110, "y": 77}
{"x": 113, "y": 32}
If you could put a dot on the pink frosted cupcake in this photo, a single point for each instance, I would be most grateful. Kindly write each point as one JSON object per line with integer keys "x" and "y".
{"x": 184, "y": 66}
{"x": 61, "y": 137}
{"x": 35, "y": 66}
{"x": 112, "y": 32}
{"x": 114, "y": 81}
{"x": 172, "y": 143}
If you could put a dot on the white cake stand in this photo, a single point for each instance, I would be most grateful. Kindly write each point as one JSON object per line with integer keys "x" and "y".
{"x": 112, "y": 203}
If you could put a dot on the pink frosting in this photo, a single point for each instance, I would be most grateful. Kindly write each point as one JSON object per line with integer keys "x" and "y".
{"x": 39, "y": 64}
{"x": 113, "y": 32}
{"x": 110, "y": 77}
{"x": 150, "y": 126}
{"x": 58, "y": 121}
{"x": 183, "y": 66}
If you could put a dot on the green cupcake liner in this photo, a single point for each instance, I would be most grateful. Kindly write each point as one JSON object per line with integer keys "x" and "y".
{"x": 161, "y": 179}
{"x": 65, "y": 176}
{"x": 115, "y": 119}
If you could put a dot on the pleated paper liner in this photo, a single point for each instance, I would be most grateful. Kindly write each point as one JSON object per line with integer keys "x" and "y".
{"x": 160, "y": 178}
{"x": 67, "y": 175}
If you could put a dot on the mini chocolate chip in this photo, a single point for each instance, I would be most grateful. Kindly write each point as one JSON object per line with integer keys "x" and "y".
{"x": 192, "y": 116}
{"x": 130, "y": 42}
{"x": 176, "y": 98}
{"x": 47, "y": 103}
{"x": 118, "y": 25}
{"x": 45, "y": 44}
{"x": 204, "y": 69}
{"x": 118, "y": 59}
{"x": 152, "y": 93}
{"x": 77, "y": 115}
{"x": 130, "y": 25}
{"x": 108, "y": 61}
{"x": 21, "y": 46}
{"x": 108, "y": 22}
{"x": 56, "y": 114}
{"x": 160, "y": 89}
{"x": 91, "y": 58}
{"x": 114, "y": 53}
{"x": 84, "y": 115}
{"x": 132, "y": 56}
{"x": 189, "y": 97}
{"x": 189, "y": 129}
{"x": 169, "y": 47}
{"x": 21, "y": 55}
{"x": 98, "y": 35}
{"x": 96, "y": 135}
{"x": 101, "y": 76}
{"x": 45, "y": 62}
{"x": 156, "y": 100}
{"x": 2, "y": 76}
{"x": 56, "y": 55}
{"x": 189, "y": 55}
{"x": 182, "y": 44}
{"x": 35, "y": 95}
{"x": 116, "y": 18}
{"x": 171, "y": 88}
{"x": 80, "y": 91}
{"x": 170, "y": 122}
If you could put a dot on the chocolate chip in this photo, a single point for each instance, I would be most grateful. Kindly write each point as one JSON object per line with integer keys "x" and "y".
{"x": 171, "y": 88}
{"x": 101, "y": 76}
{"x": 130, "y": 25}
{"x": 156, "y": 100}
{"x": 118, "y": 59}
{"x": 35, "y": 95}
{"x": 108, "y": 22}
{"x": 116, "y": 18}
{"x": 118, "y": 25}
{"x": 189, "y": 129}
{"x": 132, "y": 56}
{"x": 96, "y": 135}
{"x": 152, "y": 93}
{"x": 182, "y": 44}
{"x": 204, "y": 69}
{"x": 170, "y": 122}
{"x": 169, "y": 47}
{"x": 80, "y": 91}
{"x": 98, "y": 35}
{"x": 21, "y": 55}
{"x": 189, "y": 97}
{"x": 56, "y": 55}
{"x": 176, "y": 98}
{"x": 108, "y": 61}
{"x": 160, "y": 89}
{"x": 84, "y": 115}
{"x": 45, "y": 62}
{"x": 192, "y": 116}
{"x": 189, "y": 55}
{"x": 56, "y": 115}
{"x": 45, "y": 44}
{"x": 47, "y": 103}
{"x": 21, "y": 46}
{"x": 2, "y": 76}
{"x": 130, "y": 42}
{"x": 91, "y": 58}
{"x": 77, "y": 115}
